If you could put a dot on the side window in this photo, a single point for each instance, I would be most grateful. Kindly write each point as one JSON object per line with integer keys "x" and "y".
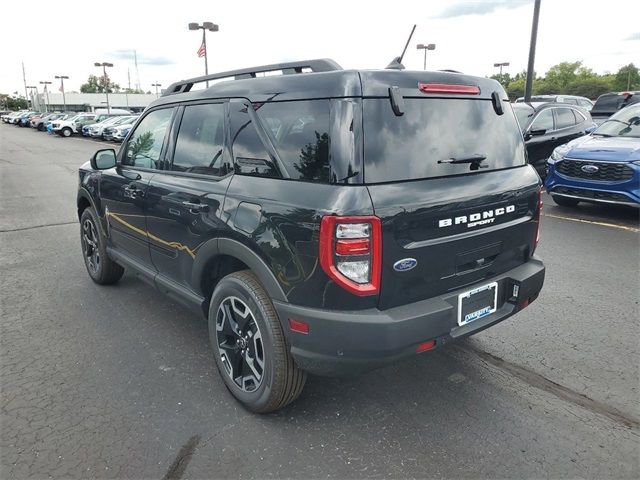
{"x": 544, "y": 121}
{"x": 571, "y": 101}
{"x": 564, "y": 118}
{"x": 584, "y": 104}
{"x": 145, "y": 143}
{"x": 200, "y": 144}
{"x": 579, "y": 117}
{"x": 249, "y": 153}
{"x": 300, "y": 134}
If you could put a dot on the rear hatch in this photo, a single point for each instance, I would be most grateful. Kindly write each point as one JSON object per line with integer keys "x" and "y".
{"x": 447, "y": 225}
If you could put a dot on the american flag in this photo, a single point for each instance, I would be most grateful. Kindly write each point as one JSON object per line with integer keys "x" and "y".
{"x": 202, "y": 50}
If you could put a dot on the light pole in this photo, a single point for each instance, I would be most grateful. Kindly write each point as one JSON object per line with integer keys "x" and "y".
{"x": 425, "y": 47}
{"x": 532, "y": 52}
{"x": 503, "y": 64}
{"x": 31, "y": 87}
{"x": 46, "y": 93}
{"x": 64, "y": 98}
{"x": 202, "y": 52}
{"x": 156, "y": 85}
{"x": 104, "y": 66}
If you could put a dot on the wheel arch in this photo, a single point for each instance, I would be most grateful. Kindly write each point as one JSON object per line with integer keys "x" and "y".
{"x": 221, "y": 256}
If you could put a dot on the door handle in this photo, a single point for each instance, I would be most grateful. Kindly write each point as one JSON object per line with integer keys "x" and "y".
{"x": 132, "y": 191}
{"x": 553, "y": 139}
{"x": 196, "y": 207}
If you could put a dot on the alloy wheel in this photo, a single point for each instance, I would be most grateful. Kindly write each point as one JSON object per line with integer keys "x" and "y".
{"x": 240, "y": 344}
{"x": 90, "y": 246}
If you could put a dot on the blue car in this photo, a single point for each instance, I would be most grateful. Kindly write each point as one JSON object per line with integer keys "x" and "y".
{"x": 603, "y": 167}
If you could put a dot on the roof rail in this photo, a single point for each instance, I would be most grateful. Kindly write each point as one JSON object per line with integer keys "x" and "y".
{"x": 319, "y": 65}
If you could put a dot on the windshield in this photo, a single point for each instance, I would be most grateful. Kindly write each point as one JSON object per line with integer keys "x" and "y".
{"x": 438, "y": 137}
{"x": 625, "y": 123}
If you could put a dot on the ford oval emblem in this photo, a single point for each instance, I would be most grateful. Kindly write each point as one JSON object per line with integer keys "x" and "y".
{"x": 589, "y": 168}
{"x": 405, "y": 264}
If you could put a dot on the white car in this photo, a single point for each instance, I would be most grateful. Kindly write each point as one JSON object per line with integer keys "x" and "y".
{"x": 95, "y": 130}
{"x": 68, "y": 127}
{"x": 121, "y": 131}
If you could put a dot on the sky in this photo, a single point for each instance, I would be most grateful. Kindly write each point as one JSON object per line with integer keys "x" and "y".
{"x": 470, "y": 36}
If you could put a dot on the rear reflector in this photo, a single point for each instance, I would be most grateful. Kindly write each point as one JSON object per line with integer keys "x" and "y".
{"x": 299, "y": 326}
{"x": 523, "y": 304}
{"x": 424, "y": 346}
{"x": 449, "y": 88}
{"x": 353, "y": 247}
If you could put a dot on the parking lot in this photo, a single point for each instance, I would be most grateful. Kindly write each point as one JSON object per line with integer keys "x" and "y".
{"x": 120, "y": 381}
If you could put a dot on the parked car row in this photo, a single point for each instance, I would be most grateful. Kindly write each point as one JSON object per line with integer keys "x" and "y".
{"x": 92, "y": 124}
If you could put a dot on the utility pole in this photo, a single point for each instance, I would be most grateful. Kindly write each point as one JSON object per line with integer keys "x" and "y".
{"x": 532, "y": 52}
{"x": 64, "y": 98}
{"x": 24, "y": 80}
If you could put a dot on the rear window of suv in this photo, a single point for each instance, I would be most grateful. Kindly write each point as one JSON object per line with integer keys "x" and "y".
{"x": 436, "y": 130}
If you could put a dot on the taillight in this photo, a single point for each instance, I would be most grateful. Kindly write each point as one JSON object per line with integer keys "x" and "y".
{"x": 449, "y": 88}
{"x": 538, "y": 219}
{"x": 351, "y": 252}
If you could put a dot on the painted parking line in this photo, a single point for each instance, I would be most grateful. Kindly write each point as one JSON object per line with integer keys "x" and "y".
{"x": 592, "y": 222}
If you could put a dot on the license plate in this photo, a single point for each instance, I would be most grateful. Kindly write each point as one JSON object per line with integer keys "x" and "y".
{"x": 477, "y": 303}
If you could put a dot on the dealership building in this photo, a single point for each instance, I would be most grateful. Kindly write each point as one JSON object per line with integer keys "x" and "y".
{"x": 89, "y": 102}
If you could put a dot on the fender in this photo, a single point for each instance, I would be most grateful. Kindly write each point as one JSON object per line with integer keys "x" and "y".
{"x": 233, "y": 248}
{"x": 84, "y": 193}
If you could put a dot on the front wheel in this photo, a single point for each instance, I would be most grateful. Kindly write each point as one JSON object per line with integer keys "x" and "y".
{"x": 101, "y": 268}
{"x": 565, "y": 201}
{"x": 66, "y": 132}
{"x": 249, "y": 346}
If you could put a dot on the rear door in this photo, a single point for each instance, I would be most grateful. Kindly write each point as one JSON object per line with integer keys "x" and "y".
{"x": 185, "y": 200}
{"x": 458, "y": 223}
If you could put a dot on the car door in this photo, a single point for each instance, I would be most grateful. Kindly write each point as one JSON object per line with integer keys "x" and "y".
{"x": 567, "y": 127}
{"x": 123, "y": 188}
{"x": 185, "y": 200}
{"x": 539, "y": 138}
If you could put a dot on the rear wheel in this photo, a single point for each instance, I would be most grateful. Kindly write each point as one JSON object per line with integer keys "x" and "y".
{"x": 101, "y": 268}
{"x": 565, "y": 201}
{"x": 249, "y": 345}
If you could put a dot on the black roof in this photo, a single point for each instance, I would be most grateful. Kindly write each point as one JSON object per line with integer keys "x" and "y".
{"x": 325, "y": 83}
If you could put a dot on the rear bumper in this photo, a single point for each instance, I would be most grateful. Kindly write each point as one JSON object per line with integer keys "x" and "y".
{"x": 350, "y": 342}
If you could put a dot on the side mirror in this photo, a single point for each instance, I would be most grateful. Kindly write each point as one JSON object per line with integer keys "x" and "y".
{"x": 103, "y": 159}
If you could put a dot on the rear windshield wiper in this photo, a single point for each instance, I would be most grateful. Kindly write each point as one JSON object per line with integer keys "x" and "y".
{"x": 470, "y": 159}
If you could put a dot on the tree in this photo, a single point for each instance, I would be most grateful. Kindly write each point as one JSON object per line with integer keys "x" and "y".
{"x": 627, "y": 78}
{"x": 504, "y": 79}
{"x": 561, "y": 75}
{"x": 589, "y": 87}
{"x": 13, "y": 102}
{"x": 97, "y": 85}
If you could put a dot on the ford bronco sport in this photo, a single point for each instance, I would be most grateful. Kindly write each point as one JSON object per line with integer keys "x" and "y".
{"x": 324, "y": 220}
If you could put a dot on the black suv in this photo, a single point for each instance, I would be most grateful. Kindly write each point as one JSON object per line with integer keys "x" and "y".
{"x": 324, "y": 220}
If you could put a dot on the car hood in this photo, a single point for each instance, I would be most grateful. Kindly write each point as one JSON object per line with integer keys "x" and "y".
{"x": 614, "y": 149}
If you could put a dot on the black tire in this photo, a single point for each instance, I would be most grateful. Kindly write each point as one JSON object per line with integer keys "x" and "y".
{"x": 100, "y": 267}
{"x": 565, "y": 201}
{"x": 281, "y": 381}
{"x": 66, "y": 132}
{"x": 40, "y": 127}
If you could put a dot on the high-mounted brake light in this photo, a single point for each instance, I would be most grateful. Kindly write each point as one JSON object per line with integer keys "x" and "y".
{"x": 351, "y": 252}
{"x": 449, "y": 88}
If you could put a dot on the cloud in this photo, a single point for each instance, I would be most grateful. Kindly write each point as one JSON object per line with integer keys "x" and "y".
{"x": 143, "y": 59}
{"x": 633, "y": 36}
{"x": 479, "y": 7}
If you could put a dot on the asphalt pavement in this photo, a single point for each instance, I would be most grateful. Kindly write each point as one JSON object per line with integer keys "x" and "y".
{"x": 120, "y": 382}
